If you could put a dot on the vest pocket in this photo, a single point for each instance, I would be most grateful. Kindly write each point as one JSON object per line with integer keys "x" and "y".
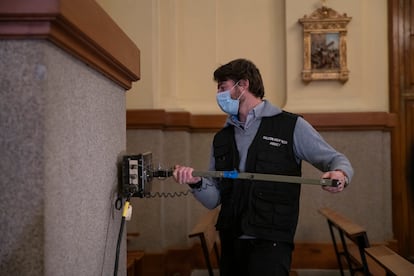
{"x": 272, "y": 209}
{"x": 222, "y": 157}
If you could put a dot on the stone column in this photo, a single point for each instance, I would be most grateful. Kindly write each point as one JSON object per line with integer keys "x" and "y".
{"x": 62, "y": 132}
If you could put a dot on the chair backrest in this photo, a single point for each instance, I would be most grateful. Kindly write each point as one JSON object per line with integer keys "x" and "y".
{"x": 393, "y": 263}
{"x": 351, "y": 229}
{"x": 206, "y": 227}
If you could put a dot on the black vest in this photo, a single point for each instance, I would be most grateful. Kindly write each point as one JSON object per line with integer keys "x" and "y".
{"x": 263, "y": 209}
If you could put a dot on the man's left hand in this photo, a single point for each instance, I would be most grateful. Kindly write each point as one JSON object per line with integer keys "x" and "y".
{"x": 338, "y": 175}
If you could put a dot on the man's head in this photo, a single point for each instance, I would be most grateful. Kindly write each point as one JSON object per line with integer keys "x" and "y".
{"x": 241, "y": 69}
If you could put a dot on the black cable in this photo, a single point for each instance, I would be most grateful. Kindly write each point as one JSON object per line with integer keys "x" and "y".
{"x": 176, "y": 194}
{"x": 118, "y": 245}
{"x": 167, "y": 194}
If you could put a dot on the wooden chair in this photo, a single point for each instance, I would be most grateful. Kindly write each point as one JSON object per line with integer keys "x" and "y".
{"x": 393, "y": 263}
{"x": 134, "y": 262}
{"x": 347, "y": 230}
{"x": 205, "y": 230}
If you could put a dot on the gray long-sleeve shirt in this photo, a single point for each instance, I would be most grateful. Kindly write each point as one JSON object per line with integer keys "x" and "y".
{"x": 308, "y": 145}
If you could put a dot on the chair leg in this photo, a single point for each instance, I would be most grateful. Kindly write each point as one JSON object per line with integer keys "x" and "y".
{"x": 216, "y": 250}
{"x": 338, "y": 255}
{"x": 206, "y": 255}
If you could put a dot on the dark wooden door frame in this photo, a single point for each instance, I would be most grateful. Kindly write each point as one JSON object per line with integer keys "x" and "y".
{"x": 401, "y": 97}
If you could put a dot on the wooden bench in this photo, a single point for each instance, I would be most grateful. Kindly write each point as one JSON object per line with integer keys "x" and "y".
{"x": 393, "y": 263}
{"x": 134, "y": 262}
{"x": 348, "y": 231}
{"x": 205, "y": 230}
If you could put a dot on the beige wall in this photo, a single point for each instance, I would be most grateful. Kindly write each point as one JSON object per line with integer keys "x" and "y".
{"x": 367, "y": 52}
{"x": 183, "y": 41}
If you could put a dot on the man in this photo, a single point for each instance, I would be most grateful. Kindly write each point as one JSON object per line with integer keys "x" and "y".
{"x": 257, "y": 220}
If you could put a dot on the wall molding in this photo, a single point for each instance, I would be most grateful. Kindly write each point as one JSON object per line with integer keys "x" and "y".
{"x": 185, "y": 121}
{"x": 80, "y": 27}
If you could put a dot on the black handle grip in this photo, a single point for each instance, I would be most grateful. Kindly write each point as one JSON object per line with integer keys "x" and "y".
{"x": 335, "y": 183}
{"x": 162, "y": 173}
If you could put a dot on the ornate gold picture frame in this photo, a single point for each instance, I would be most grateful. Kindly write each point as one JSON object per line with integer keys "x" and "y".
{"x": 324, "y": 45}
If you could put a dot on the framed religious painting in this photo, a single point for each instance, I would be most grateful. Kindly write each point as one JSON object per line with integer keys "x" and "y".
{"x": 324, "y": 45}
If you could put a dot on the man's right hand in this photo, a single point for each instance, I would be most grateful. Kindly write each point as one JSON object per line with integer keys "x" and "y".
{"x": 183, "y": 175}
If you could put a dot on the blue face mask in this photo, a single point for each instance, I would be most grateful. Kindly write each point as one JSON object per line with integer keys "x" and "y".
{"x": 226, "y": 103}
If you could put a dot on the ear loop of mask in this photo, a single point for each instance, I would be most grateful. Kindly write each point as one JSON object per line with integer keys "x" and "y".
{"x": 244, "y": 90}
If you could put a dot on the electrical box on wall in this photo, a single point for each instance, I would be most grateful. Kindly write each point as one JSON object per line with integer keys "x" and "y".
{"x": 137, "y": 174}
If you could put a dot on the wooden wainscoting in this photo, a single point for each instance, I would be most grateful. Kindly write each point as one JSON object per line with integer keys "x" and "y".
{"x": 161, "y": 119}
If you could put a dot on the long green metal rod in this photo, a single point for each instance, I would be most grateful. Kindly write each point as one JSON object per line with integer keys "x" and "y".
{"x": 266, "y": 177}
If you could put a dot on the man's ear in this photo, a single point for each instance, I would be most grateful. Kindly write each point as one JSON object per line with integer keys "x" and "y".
{"x": 244, "y": 83}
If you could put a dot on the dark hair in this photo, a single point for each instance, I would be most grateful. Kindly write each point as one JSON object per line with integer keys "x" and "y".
{"x": 240, "y": 69}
